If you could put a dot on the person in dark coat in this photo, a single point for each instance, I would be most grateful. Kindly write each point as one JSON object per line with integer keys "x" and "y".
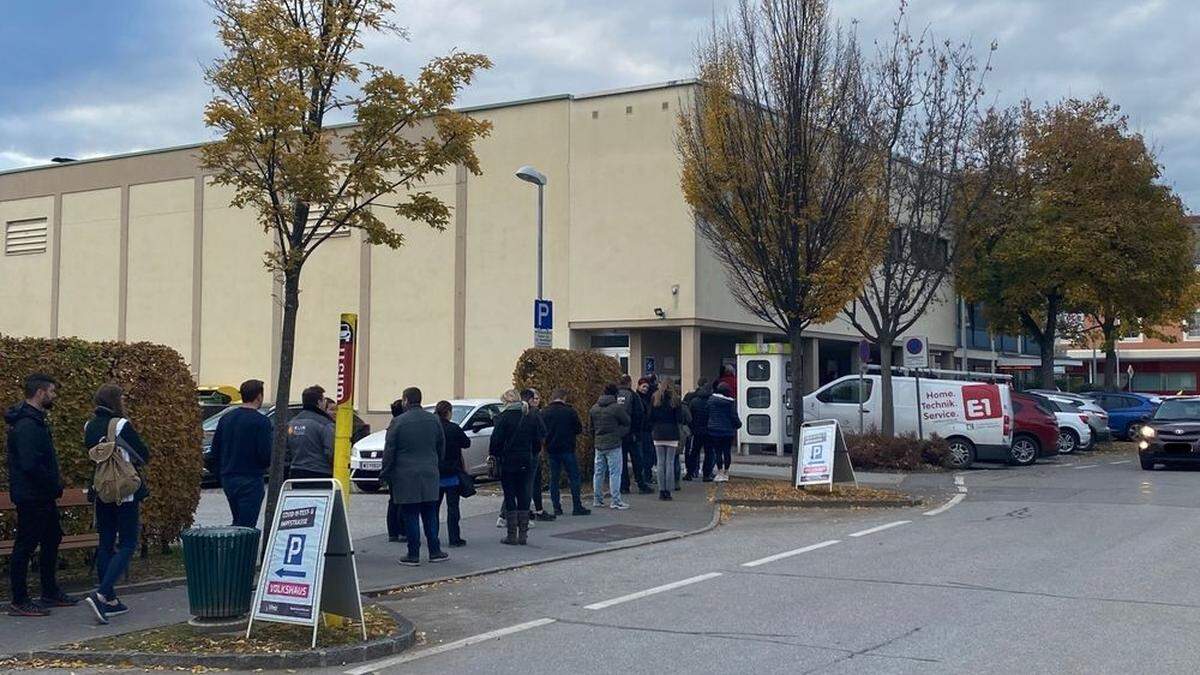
{"x": 610, "y": 426}
{"x": 515, "y": 439}
{"x": 117, "y": 524}
{"x": 697, "y": 405}
{"x": 645, "y": 392}
{"x": 533, "y": 399}
{"x": 667, "y": 415}
{"x": 310, "y": 437}
{"x": 395, "y": 521}
{"x": 34, "y": 484}
{"x": 412, "y": 455}
{"x": 451, "y": 470}
{"x": 723, "y": 423}
{"x": 562, "y": 429}
{"x": 631, "y": 454}
{"x": 241, "y": 453}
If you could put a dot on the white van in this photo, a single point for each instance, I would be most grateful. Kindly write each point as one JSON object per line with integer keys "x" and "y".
{"x": 975, "y": 418}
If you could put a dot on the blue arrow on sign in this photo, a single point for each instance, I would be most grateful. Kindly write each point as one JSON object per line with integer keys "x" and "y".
{"x": 281, "y": 572}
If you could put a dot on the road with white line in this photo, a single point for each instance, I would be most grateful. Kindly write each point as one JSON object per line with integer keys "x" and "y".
{"x": 1008, "y": 571}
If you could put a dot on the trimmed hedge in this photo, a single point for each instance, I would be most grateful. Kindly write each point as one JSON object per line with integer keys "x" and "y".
{"x": 160, "y": 397}
{"x": 583, "y": 373}
{"x": 906, "y": 453}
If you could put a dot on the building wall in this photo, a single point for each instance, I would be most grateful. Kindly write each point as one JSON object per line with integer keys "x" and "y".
{"x": 159, "y": 305}
{"x": 89, "y": 271}
{"x": 25, "y": 280}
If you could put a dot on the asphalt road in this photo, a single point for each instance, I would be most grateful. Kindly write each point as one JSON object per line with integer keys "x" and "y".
{"x": 1084, "y": 566}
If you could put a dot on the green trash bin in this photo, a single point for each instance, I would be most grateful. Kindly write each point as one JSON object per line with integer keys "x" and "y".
{"x": 219, "y": 562}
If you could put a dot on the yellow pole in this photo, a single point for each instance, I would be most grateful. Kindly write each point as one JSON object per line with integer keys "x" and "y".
{"x": 344, "y": 427}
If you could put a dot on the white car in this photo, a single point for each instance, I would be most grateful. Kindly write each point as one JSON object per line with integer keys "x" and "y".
{"x": 1097, "y": 416}
{"x": 474, "y": 415}
{"x": 1074, "y": 428}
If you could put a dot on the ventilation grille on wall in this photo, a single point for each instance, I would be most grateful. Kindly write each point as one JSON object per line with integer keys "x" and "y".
{"x": 325, "y": 228}
{"x": 25, "y": 236}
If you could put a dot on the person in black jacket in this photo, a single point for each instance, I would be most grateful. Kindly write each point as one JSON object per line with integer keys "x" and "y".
{"x": 241, "y": 451}
{"x": 450, "y": 470}
{"x": 34, "y": 484}
{"x": 697, "y": 404}
{"x": 667, "y": 415}
{"x": 395, "y": 522}
{"x": 631, "y": 454}
{"x": 562, "y": 429}
{"x": 116, "y": 524}
{"x": 645, "y": 391}
{"x": 515, "y": 438}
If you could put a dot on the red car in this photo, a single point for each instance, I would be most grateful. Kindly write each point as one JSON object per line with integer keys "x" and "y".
{"x": 1036, "y": 432}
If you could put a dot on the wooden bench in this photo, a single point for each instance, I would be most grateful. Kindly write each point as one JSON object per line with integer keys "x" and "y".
{"x": 72, "y": 497}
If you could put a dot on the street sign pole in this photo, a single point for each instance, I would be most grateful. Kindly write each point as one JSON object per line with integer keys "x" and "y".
{"x": 344, "y": 426}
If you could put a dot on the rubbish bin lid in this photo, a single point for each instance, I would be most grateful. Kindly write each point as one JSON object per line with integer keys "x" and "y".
{"x": 218, "y": 531}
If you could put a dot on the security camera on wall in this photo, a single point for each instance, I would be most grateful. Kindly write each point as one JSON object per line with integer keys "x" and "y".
{"x": 660, "y": 312}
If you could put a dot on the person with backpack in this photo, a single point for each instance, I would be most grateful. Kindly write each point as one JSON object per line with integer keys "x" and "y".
{"x": 310, "y": 437}
{"x": 723, "y": 423}
{"x": 667, "y": 415}
{"x": 513, "y": 447}
{"x": 34, "y": 484}
{"x": 631, "y": 456}
{"x": 241, "y": 455}
{"x": 697, "y": 405}
{"x": 610, "y": 427}
{"x": 562, "y": 429}
{"x": 118, "y": 451}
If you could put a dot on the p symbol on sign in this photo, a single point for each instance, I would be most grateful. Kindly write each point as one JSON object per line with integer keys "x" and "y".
{"x": 295, "y": 550}
{"x": 543, "y": 315}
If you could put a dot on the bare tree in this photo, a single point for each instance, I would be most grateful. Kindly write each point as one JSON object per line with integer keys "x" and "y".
{"x": 779, "y": 155}
{"x": 933, "y": 138}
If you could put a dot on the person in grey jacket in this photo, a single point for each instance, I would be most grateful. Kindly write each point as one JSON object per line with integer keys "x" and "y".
{"x": 310, "y": 438}
{"x": 413, "y": 450}
{"x": 610, "y": 427}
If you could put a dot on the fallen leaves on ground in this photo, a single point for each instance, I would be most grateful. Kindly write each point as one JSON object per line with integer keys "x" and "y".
{"x": 758, "y": 489}
{"x": 267, "y": 638}
{"x": 1115, "y": 448}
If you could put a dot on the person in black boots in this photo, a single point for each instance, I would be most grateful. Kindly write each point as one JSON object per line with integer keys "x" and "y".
{"x": 645, "y": 391}
{"x": 451, "y": 468}
{"x": 667, "y": 414}
{"x": 515, "y": 437}
{"x": 534, "y": 400}
{"x": 395, "y": 523}
{"x": 697, "y": 404}
{"x": 35, "y": 484}
{"x": 631, "y": 455}
{"x": 562, "y": 429}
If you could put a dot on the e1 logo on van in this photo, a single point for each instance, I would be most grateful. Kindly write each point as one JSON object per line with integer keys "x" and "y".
{"x": 981, "y": 401}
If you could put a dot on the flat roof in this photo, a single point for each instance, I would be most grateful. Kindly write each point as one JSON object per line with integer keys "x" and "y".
{"x": 464, "y": 109}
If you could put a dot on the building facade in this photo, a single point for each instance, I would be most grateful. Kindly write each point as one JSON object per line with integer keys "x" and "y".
{"x": 146, "y": 247}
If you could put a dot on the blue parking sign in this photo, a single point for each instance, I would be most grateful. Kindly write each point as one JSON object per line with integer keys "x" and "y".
{"x": 543, "y": 315}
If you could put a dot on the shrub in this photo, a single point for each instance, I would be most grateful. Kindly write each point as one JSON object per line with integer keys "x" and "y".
{"x": 584, "y": 374}
{"x": 905, "y": 453}
{"x": 160, "y": 398}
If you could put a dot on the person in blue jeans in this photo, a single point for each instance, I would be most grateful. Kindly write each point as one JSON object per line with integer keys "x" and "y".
{"x": 241, "y": 455}
{"x": 610, "y": 424}
{"x": 117, "y": 524}
{"x": 562, "y": 429}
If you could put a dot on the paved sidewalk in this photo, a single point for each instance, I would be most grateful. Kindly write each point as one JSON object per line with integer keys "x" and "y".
{"x": 648, "y": 520}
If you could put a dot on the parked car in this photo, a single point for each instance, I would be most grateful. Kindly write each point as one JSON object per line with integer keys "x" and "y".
{"x": 475, "y": 416}
{"x": 1035, "y": 430}
{"x": 1097, "y": 417}
{"x": 1126, "y": 410}
{"x": 975, "y": 418}
{"x": 1171, "y": 436}
{"x": 208, "y": 479}
{"x": 1074, "y": 433}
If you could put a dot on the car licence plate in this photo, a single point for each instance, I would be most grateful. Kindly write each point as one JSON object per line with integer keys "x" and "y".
{"x": 372, "y": 464}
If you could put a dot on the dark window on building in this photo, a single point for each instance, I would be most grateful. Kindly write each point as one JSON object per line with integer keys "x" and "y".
{"x": 758, "y": 370}
{"x": 758, "y": 397}
{"x": 758, "y": 425}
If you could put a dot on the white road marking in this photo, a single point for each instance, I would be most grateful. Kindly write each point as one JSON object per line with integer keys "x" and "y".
{"x": 788, "y": 554}
{"x": 1087, "y": 466}
{"x": 948, "y": 505}
{"x": 440, "y": 649}
{"x": 652, "y": 591}
{"x": 881, "y": 528}
{"x": 1061, "y": 466}
{"x": 1124, "y": 461}
{"x": 960, "y": 480}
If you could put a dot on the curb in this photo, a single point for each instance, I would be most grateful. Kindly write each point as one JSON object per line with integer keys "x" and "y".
{"x": 332, "y": 656}
{"x": 822, "y": 504}
{"x": 657, "y": 539}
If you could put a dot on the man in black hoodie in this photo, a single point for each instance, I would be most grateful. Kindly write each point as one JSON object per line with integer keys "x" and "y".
{"x": 631, "y": 453}
{"x": 34, "y": 483}
{"x": 697, "y": 403}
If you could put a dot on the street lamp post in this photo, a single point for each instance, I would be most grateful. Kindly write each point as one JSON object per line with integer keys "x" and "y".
{"x": 531, "y": 175}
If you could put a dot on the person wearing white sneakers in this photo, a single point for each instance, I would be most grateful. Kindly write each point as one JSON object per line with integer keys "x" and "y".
{"x": 610, "y": 424}
{"x": 723, "y": 424}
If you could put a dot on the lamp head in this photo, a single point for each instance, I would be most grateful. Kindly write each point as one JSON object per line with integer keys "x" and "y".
{"x": 531, "y": 175}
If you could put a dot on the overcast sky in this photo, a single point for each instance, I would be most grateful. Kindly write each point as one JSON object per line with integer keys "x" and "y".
{"x": 83, "y": 78}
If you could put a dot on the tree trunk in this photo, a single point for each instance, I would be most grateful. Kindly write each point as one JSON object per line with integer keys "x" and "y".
{"x": 1047, "y": 342}
{"x": 797, "y": 363}
{"x": 1111, "y": 376}
{"x": 283, "y": 388}
{"x": 887, "y": 416}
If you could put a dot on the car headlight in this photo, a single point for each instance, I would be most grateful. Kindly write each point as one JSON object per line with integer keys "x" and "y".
{"x": 1143, "y": 445}
{"x": 1149, "y": 432}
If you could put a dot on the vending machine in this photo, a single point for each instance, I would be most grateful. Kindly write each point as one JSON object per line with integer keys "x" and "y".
{"x": 764, "y": 396}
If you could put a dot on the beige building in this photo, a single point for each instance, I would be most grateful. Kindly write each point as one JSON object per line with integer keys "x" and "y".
{"x": 144, "y": 247}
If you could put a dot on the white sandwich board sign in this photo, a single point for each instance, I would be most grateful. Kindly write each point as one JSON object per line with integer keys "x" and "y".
{"x": 309, "y": 567}
{"x": 824, "y": 458}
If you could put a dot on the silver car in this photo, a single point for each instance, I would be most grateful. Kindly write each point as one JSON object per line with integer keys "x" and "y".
{"x": 1097, "y": 417}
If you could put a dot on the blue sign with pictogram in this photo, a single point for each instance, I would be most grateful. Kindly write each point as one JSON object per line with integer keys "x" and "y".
{"x": 543, "y": 315}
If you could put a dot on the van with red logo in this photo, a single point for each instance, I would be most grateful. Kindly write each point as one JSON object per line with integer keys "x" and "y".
{"x": 975, "y": 417}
